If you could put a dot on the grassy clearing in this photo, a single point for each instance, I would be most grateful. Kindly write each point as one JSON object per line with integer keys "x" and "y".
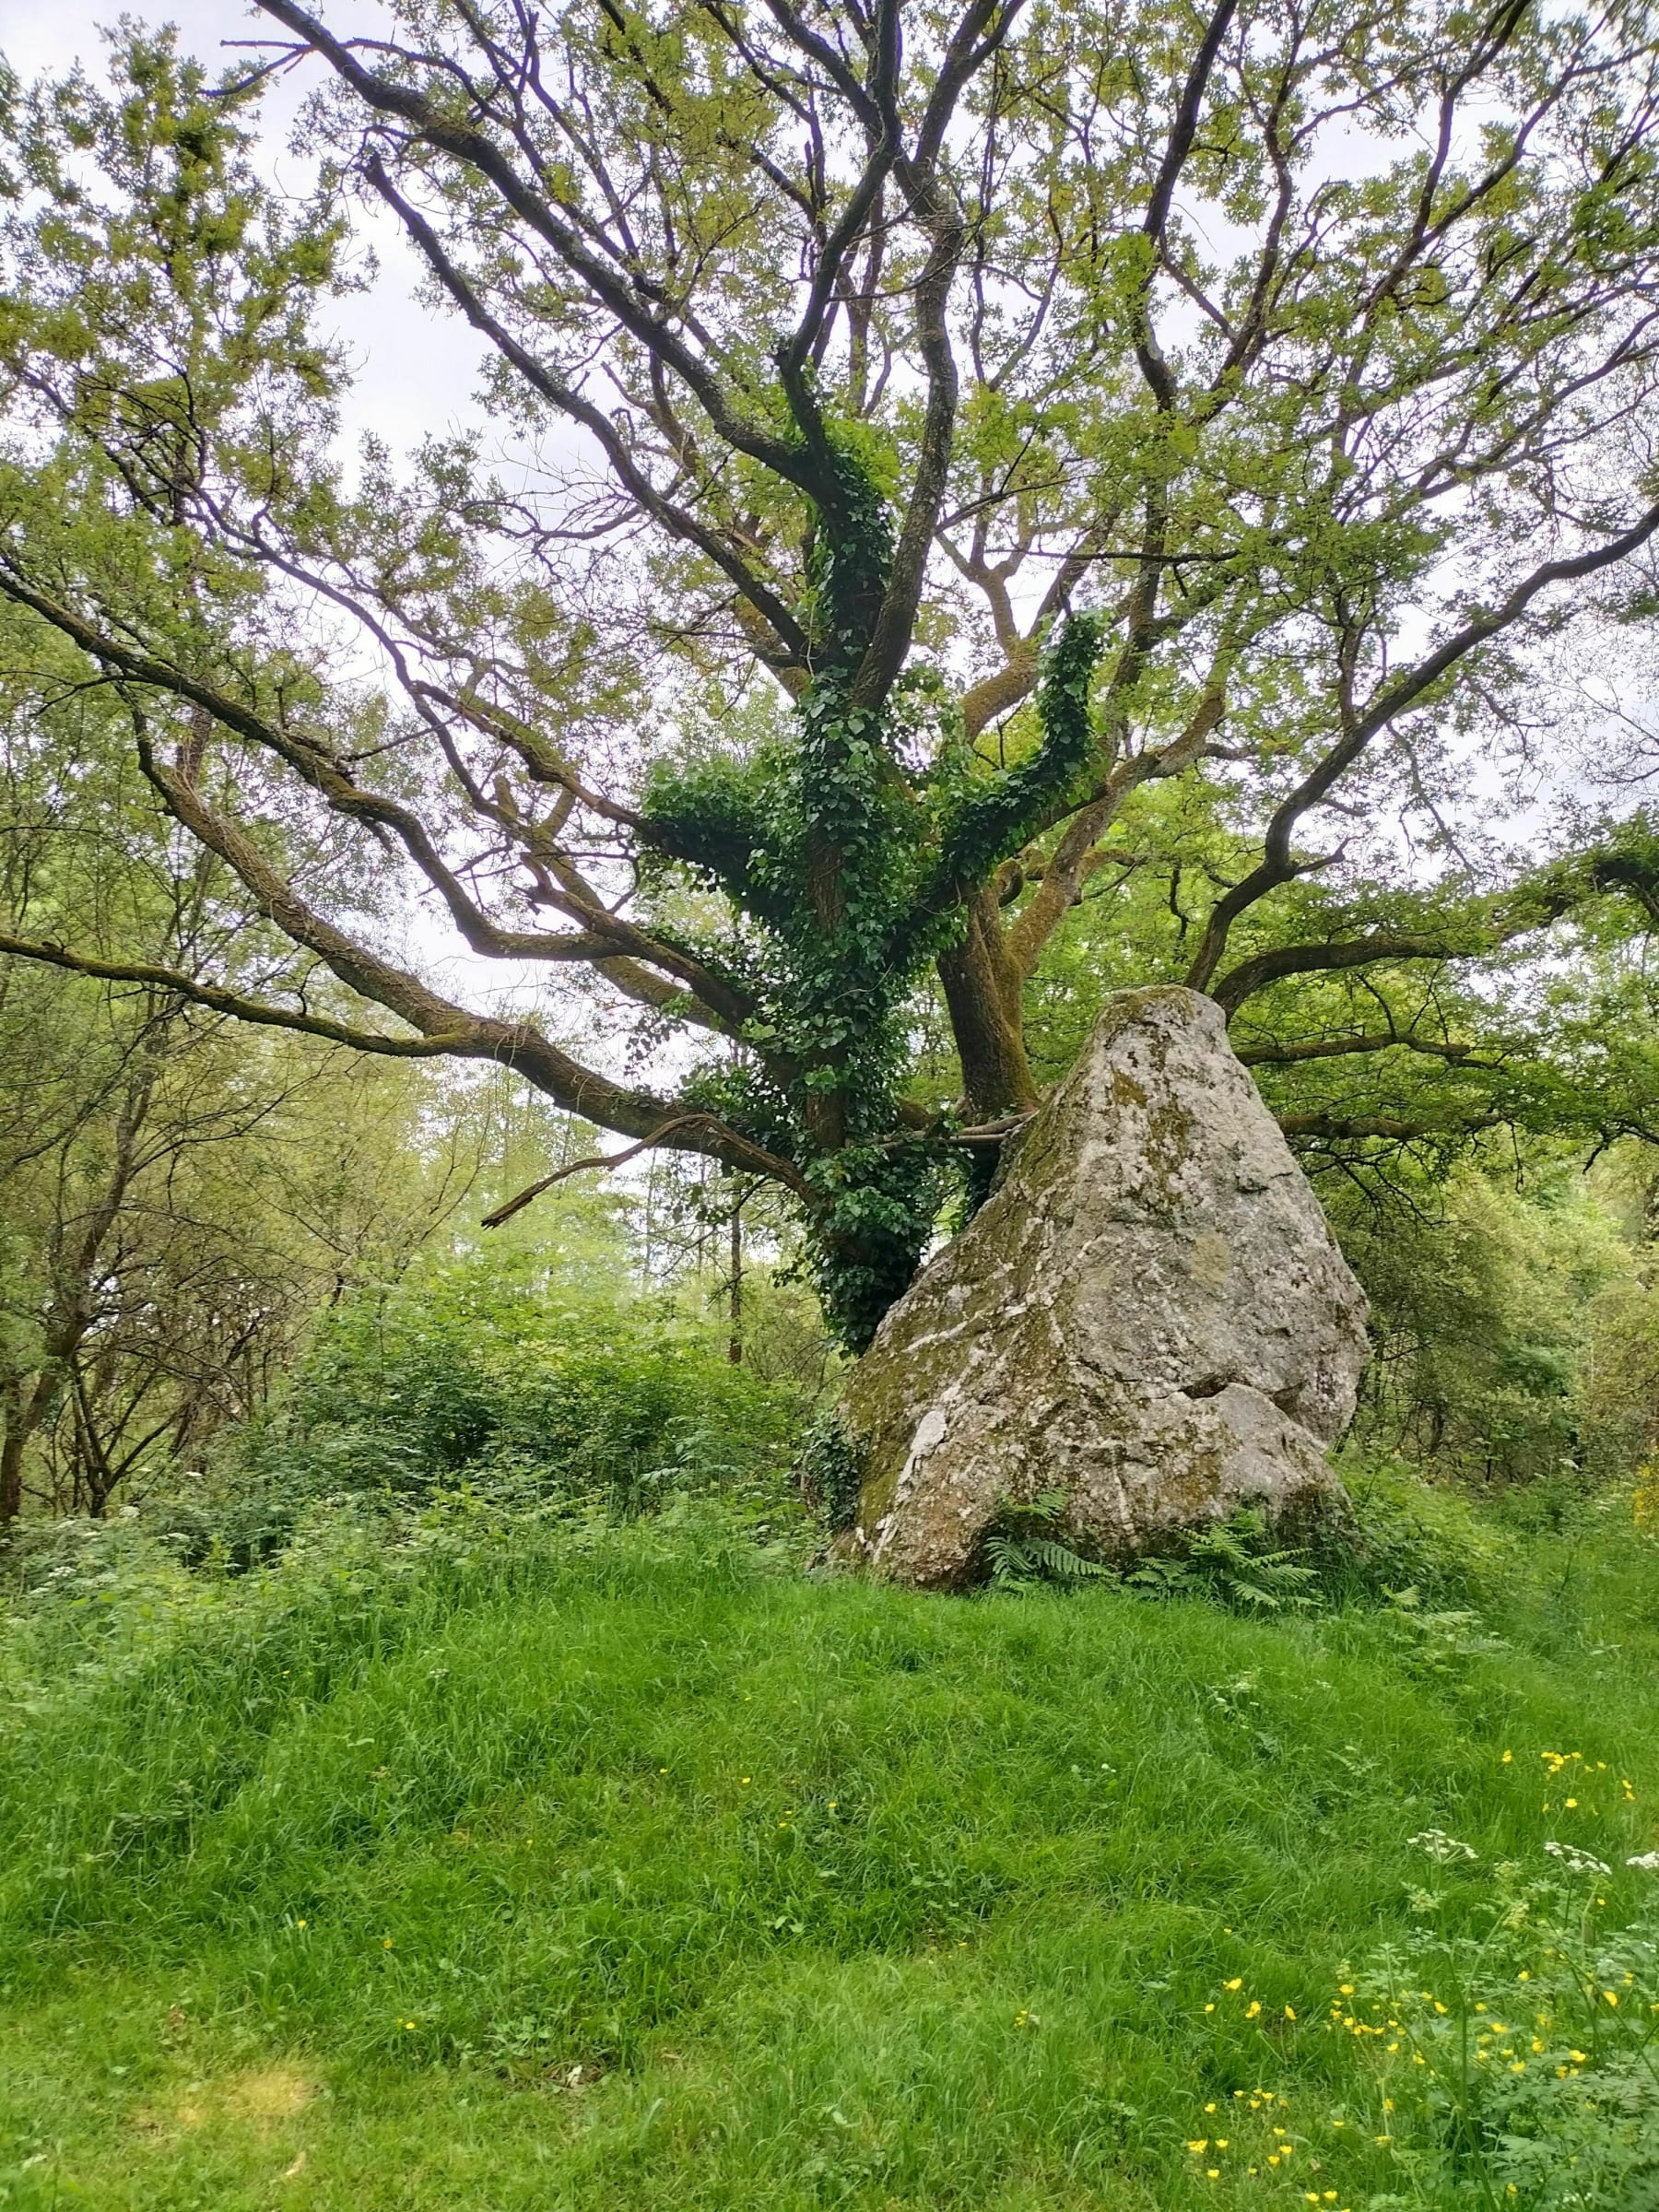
{"x": 640, "y": 1870}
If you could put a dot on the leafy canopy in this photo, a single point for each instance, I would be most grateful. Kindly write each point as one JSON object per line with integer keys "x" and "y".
{"x": 986, "y": 501}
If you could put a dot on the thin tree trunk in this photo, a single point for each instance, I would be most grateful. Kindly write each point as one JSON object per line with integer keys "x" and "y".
{"x": 100, "y": 1480}
{"x": 734, "y": 1340}
{"x": 11, "y": 1472}
{"x": 23, "y": 1411}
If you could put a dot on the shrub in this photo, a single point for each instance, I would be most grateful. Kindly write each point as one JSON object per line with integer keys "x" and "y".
{"x": 489, "y": 1375}
{"x": 829, "y": 1472}
{"x": 1413, "y": 1536}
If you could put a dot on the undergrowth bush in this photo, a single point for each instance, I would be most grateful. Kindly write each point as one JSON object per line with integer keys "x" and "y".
{"x": 1025, "y": 1547}
{"x": 1412, "y": 1534}
{"x": 531, "y": 1388}
{"x": 1507, "y": 1325}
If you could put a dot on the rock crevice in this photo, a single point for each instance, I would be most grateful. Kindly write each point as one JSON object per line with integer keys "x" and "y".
{"x": 1148, "y": 1314}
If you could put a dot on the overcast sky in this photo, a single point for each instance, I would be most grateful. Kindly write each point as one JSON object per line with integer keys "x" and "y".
{"x": 416, "y": 371}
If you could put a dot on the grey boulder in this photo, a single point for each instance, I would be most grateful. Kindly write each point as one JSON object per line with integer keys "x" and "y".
{"x": 1149, "y": 1315}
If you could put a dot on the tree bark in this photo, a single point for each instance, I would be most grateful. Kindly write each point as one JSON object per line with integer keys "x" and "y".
{"x": 983, "y": 990}
{"x": 23, "y": 1410}
{"x": 11, "y": 1463}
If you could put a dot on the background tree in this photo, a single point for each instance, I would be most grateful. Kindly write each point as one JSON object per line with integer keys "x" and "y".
{"x": 1500, "y": 1327}
{"x": 180, "y": 1194}
{"x": 990, "y": 459}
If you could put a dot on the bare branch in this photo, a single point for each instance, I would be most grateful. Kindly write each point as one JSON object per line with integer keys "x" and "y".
{"x": 234, "y": 1003}
{"x": 598, "y": 1159}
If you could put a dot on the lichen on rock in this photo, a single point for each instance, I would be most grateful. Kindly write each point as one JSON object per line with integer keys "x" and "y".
{"x": 1148, "y": 1314}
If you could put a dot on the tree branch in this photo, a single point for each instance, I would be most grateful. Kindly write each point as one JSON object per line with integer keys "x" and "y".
{"x": 596, "y": 1159}
{"x": 791, "y": 646}
{"x": 1276, "y": 865}
{"x": 234, "y": 1003}
{"x": 1337, "y": 1048}
{"x": 607, "y": 287}
{"x": 1337, "y": 1126}
{"x": 1153, "y": 366}
{"x": 1264, "y": 968}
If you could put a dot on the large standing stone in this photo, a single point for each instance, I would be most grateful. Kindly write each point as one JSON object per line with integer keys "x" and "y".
{"x": 1149, "y": 1314}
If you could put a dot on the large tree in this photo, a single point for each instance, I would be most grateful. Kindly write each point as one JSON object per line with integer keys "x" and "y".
{"x": 967, "y": 462}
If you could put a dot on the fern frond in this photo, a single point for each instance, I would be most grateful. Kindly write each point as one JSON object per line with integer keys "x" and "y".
{"x": 1007, "y": 1560}
{"x": 1018, "y": 1553}
{"x": 1061, "y": 1563}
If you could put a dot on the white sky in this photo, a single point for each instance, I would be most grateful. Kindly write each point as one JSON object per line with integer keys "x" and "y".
{"x": 416, "y": 370}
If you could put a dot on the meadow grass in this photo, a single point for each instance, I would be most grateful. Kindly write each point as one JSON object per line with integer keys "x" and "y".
{"x": 641, "y": 1870}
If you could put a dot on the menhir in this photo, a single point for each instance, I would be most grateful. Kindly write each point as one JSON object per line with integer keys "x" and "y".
{"x": 1149, "y": 1315}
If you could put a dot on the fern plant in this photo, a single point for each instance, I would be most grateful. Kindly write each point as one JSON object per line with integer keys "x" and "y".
{"x": 1234, "y": 1562}
{"x": 1022, "y": 1551}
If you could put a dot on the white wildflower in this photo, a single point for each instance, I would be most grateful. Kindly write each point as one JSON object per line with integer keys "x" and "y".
{"x": 1648, "y": 1862}
{"x": 1439, "y": 1846}
{"x": 1576, "y": 1860}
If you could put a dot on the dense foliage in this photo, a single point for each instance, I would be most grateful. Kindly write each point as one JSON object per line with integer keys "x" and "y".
{"x": 1513, "y": 1331}
{"x": 513, "y": 1382}
{"x": 1272, "y": 379}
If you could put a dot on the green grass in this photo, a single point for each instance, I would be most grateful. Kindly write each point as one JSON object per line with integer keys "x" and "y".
{"x": 643, "y": 1871}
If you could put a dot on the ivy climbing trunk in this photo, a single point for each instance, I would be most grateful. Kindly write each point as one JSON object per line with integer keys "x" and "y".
{"x": 857, "y": 876}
